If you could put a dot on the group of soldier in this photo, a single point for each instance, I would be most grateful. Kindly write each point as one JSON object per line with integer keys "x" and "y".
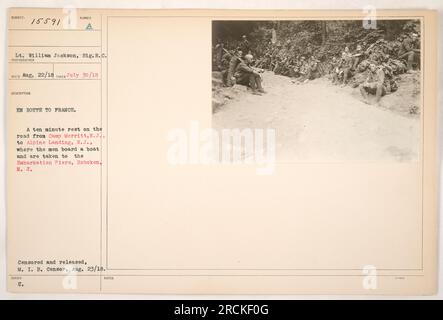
{"x": 379, "y": 79}
{"x": 239, "y": 66}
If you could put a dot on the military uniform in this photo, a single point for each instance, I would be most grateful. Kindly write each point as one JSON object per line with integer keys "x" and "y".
{"x": 374, "y": 80}
{"x": 245, "y": 47}
{"x": 312, "y": 72}
{"x": 407, "y": 51}
{"x": 219, "y": 56}
{"x": 346, "y": 66}
{"x": 357, "y": 58}
{"x": 246, "y": 76}
{"x": 233, "y": 63}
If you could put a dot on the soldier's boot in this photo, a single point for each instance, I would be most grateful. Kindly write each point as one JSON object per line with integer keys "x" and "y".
{"x": 253, "y": 84}
{"x": 364, "y": 93}
{"x": 259, "y": 86}
{"x": 378, "y": 93}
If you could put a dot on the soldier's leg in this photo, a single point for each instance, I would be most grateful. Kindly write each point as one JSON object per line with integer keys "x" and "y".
{"x": 363, "y": 92}
{"x": 228, "y": 78}
{"x": 243, "y": 80}
{"x": 411, "y": 56}
{"x": 258, "y": 83}
{"x": 379, "y": 92}
{"x": 275, "y": 67}
{"x": 355, "y": 62}
{"x": 334, "y": 78}
{"x": 345, "y": 75}
{"x": 252, "y": 83}
{"x": 225, "y": 77}
{"x": 309, "y": 74}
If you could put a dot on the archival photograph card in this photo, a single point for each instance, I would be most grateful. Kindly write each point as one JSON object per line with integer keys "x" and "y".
{"x": 222, "y": 151}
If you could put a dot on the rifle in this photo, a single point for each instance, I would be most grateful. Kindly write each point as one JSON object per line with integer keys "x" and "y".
{"x": 241, "y": 60}
{"x": 233, "y": 54}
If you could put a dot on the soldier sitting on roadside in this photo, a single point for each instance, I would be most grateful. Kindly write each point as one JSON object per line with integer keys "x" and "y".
{"x": 335, "y": 70}
{"x": 408, "y": 50}
{"x": 357, "y": 57}
{"x": 228, "y": 74}
{"x": 247, "y": 76}
{"x": 303, "y": 70}
{"x": 374, "y": 84}
{"x": 313, "y": 72}
{"x": 345, "y": 66}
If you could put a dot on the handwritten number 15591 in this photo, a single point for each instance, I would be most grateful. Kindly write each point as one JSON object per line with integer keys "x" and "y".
{"x": 50, "y": 21}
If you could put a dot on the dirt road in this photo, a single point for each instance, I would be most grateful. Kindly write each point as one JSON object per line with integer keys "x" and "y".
{"x": 318, "y": 121}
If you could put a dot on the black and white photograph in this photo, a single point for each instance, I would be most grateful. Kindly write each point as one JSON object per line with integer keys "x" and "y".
{"x": 333, "y": 90}
{"x": 222, "y": 156}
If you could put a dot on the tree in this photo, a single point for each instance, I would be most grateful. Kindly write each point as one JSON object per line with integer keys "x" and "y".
{"x": 324, "y": 31}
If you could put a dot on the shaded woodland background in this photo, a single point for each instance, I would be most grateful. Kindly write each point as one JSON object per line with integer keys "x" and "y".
{"x": 321, "y": 38}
